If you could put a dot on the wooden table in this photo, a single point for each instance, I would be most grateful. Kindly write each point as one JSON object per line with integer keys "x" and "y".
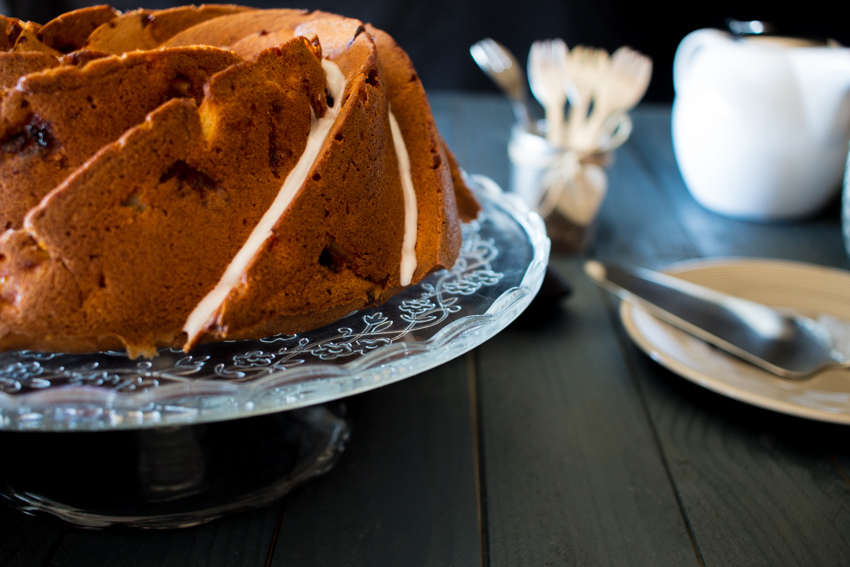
{"x": 556, "y": 442}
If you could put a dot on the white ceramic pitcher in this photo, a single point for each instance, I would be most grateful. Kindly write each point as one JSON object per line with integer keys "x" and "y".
{"x": 760, "y": 124}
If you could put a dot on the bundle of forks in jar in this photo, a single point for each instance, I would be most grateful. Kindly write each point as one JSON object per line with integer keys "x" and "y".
{"x": 558, "y": 164}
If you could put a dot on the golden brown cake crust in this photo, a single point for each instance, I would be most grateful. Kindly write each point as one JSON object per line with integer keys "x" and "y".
{"x": 57, "y": 119}
{"x": 123, "y": 246}
{"x": 148, "y": 29}
{"x": 16, "y": 64}
{"x": 228, "y": 31}
{"x": 70, "y": 31}
{"x": 29, "y": 40}
{"x": 467, "y": 205}
{"x": 10, "y": 29}
{"x": 439, "y": 237}
{"x": 130, "y": 182}
{"x": 322, "y": 253}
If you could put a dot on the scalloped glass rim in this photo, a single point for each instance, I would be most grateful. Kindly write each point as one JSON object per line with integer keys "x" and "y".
{"x": 87, "y": 408}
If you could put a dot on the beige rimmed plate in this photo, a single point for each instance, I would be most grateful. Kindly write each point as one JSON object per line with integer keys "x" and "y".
{"x": 804, "y": 288}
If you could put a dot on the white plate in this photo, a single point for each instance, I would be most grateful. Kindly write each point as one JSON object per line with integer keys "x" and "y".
{"x": 804, "y": 288}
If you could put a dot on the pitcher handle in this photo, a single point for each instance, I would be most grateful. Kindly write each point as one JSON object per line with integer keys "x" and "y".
{"x": 688, "y": 48}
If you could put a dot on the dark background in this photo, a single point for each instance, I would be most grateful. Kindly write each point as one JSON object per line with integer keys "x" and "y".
{"x": 437, "y": 33}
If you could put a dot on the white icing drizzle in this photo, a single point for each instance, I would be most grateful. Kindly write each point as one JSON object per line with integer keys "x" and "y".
{"x": 319, "y": 131}
{"x": 408, "y": 246}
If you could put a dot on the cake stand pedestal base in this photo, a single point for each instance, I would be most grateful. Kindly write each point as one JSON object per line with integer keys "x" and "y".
{"x": 170, "y": 477}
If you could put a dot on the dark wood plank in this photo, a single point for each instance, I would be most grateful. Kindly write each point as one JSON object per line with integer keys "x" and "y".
{"x": 757, "y": 488}
{"x": 573, "y": 473}
{"x": 448, "y": 114}
{"x": 437, "y": 485}
{"x": 242, "y": 540}
{"x": 841, "y": 457}
{"x": 815, "y": 239}
{"x": 650, "y": 218}
{"x": 477, "y": 129}
{"x": 592, "y": 453}
{"x": 565, "y": 482}
{"x": 634, "y": 197}
{"x": 404, "y": 493}
{"x": 486, "y": 123}
{"x": 26, "y": 541}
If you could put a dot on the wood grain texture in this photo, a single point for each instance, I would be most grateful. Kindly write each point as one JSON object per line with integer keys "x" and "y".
{"x": 841, "y": 458}
{"x": 404, "y": 492}
{"x": 573, "y": 473}
{"x": 757, "y": 488}
{"x": 591, "y": 453}
{"x": 241, "y": 540}
{"x": 27, "y": 541}
{"x": 638, "y": 222}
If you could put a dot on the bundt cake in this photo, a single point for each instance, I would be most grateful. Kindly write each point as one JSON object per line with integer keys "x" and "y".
{"x": 205, "y": 173}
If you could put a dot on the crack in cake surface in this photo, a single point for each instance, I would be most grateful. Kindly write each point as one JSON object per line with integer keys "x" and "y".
{"x": 321, "y": 127}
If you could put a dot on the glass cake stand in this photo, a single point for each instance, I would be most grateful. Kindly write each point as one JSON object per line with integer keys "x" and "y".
{"x": 180, "y": 425}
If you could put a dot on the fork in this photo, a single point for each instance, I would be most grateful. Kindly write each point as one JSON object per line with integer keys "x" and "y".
{"x": 621, "y": 89}
{"x": 547, "y": 70}
{"x": 502, "y": 67}
{"x": 588, "y": 66}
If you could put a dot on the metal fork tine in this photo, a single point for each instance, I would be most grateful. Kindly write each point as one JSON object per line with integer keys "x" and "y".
{"x": 492, "y": 59}
{"x": 477, "y": 52}
{"x": 500, "y": 65}
{"x": 483, "y": 54}
{"x": 483, "y": 50}
{"x": 496, "y": 56}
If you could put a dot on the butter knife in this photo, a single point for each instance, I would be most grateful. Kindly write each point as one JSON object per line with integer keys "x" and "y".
{"x": 786, "y": 344}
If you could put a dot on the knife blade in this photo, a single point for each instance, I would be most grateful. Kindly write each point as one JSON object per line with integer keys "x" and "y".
{"x": 786, "y": 344}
